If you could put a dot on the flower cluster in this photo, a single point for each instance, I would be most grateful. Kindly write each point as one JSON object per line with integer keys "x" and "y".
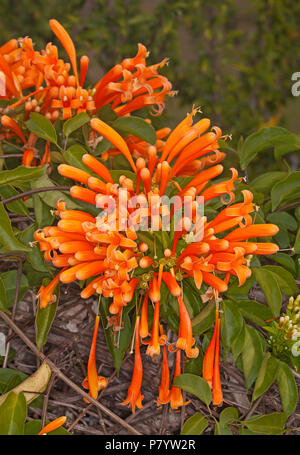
{"x": 121, "y": 261}
{"x": 40, "y": 81}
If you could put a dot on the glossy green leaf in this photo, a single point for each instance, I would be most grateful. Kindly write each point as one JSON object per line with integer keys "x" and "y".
{"x": 264, "y": 139}
{"x": 42, "y": 127}
{"x": 14, "y": 409}
{"x": 270, "y": 288}
{"x": 21, "y": 174}
{"x": 44, "y": 318}
{"x": 297, "y": 242}
{"x": 195, "y": 425}
{"x": 283, "y": 219}
{"x": 264, "y": 182}
{"x": 9, "y": 279}
{"x": 3, "y": 298}
{"x": 286, "y": 190}
{"x": 228, "y": 416}
{"x": 285, "y": 260}
{"x": 16, "y": 206}
{"x": 287, "y": 388}
{"x": 270, "y": 424}
{"x": 73, "y": 156}
{"x": 252, "y": 356}
{"x": 7, "y": 236}
{"x": 205, "y": 319}
{"x": 266, "y": 376}
{"x": 136, "y": 126}
{"x": 254, "y": 311}
{"x": 195, "y": 385}
{"x": 284, "y": 278}
{"x": 231, "y": 323}
{"x": 75, "y": 123}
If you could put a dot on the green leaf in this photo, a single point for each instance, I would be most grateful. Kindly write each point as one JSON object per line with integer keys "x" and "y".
{"x": 286, "y": 190}
{"x": 287, "y": 388}
{"x": 7, "y": 237}
{"x": 14, "y": 409}
{"x": 267, "y": 424}
{"x": 195, "y": 385}
{"x": 264, "y": 139}
{"x": 254, "y": 311}
{"x": 3, "y": 298}
{"x": 17, "y": 206}
{"x": 9, "y": 279}
{"x": 10, "y": 378}
{"x": 270, "y": 288}
{"x": 75, "y": 123}
{"x": 117, "y": 351}
{"x": 34, "y": 426}
{"x": 205, "y": 319}
{"x": 228, "y": 416}
{"x": 231, "y": 323}
{"x": 73, "y": 156}
{"x": 136, "y": 126}
{"x": 266, "y": 376}
{"x": 44, "y": 318}
{"x": 284, "y": 278}
{"x": 42, "y": 127}
{"x": 283, "y": 219}
{"x": 264, "y": 182}
{"x": 297, "y": 242}
{"x": 252, "y": 355}
{"x": 21, "y": 174}
{"x": 285, "y": 260}
{"x": 195, "y": 425}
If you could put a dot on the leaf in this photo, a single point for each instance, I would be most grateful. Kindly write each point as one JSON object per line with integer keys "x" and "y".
{"x": 285, "y": 260}
{"x": 21, "y": 174}
{"x": 283, "y": 219}
{"x": 136, "y": 126}
{"x": 42, "y": 127}
{"x": 34, "y": 426}
{"x": 228, "y": 416}
{"x": 10, "y": 378}
{"x": 44, "y": 318}
{"x": 9, "y": 279}
{"x": 3, "y": 298}
{"x": 286, "y": 190}
{"x": 287, "y": 388}
{"x": 17, "y": 206}
{"x": 264, "y": 139}
{"x": 195, "y": 385}
{"x": 205, "y": 319}
{"x": 195, "y": 425}
{"x": 270, "y": 288}
{"x": 75, "y": 123}
{"x": 252, "y": 355}
{"x": 7, "y": 237}
{"x": 73, "y": 156}
{"x": 284, "y": 278}
{"x": 35, "y": 256}
{"x": 267, "y": 424}
{"x": 14, "y": 409}
{"x": 264, "y": 182}
{"x": 297, "y": 242}
{"x": 231, "y": 323}
{"x": 254, "y": 311}
{"x": 117, "y": 352}
{"x": 266, "y": 376}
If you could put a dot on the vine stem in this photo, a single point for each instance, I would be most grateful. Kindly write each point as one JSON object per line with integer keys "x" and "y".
{"x": 34, "y": 191}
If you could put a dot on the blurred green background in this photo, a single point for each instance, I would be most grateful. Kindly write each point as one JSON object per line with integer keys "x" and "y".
{"x": 233, "y": 58}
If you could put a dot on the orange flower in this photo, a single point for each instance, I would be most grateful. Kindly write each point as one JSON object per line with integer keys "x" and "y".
{"x": 176, "y": 399}
{"x": 53, "y": 425}
{"x": 164, "y": 388}
{"x": 134, "y": 397}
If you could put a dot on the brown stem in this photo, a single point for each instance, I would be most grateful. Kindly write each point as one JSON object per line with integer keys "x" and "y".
{"x": 36, "y": 190}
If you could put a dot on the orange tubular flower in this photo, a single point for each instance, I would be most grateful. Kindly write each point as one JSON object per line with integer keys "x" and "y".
{"x": 134, "y": 397}
{"x": 164, "y": 388}
{"x": 110, "y": 250}
{"x": 93, "y": 382}
{"x": 176, "y": 399}
{"x": 53, "y": 425}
